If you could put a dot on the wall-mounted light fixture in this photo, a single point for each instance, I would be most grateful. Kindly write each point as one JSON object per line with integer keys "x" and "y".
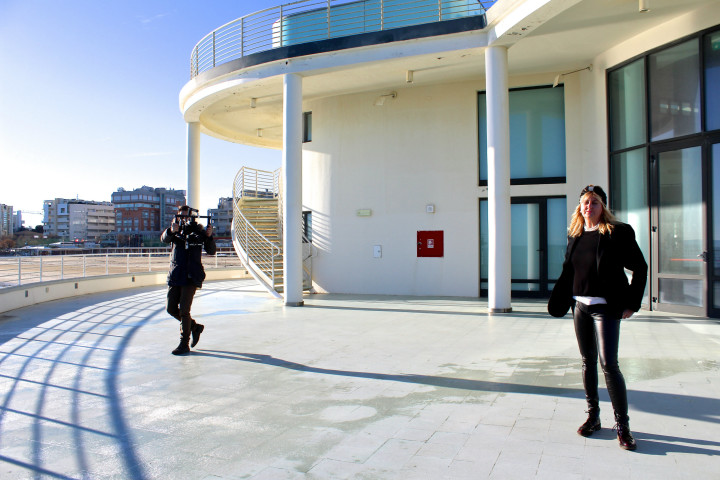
{"x": 643, "y": 6}
{"x": 259, "y": 132}
{"x": 380, "y": 101}
{"x": 253, "y": 102}
{"x": 409, "y": 76}
{"x": 559, "y": 76}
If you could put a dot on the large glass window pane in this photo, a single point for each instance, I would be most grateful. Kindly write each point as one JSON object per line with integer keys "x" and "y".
{"x": 525, "y": 242}
{"x": 678, "y": 291}
{"x": 484, "y": 239}
{"x": 626, "y": 89}
{"x": 716, "y": 209}
{"x": 557, "y": 223}
{"x": 675, "y": 91}
{"x": 628, "y": 194}
{"x": 712, "y": 81}
{"x": 537, "y": 133}
{"x": 680, "y": 212}
{"x": 482, "y": 136}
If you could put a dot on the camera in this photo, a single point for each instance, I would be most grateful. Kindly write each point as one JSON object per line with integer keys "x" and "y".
{"x": 191, "y": 232}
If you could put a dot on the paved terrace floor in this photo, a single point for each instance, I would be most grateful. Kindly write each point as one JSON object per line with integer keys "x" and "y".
{"x": 361, "y": 387}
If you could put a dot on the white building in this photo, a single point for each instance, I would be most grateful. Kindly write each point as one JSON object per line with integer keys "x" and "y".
{"x": 78, "y": 219}
{"x": 481, "y": 125}
{"x": 6, "y": 220}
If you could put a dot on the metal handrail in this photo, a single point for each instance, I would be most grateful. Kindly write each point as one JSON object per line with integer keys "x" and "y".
{"x": 259, "y": 254}
{"x": 25, "y": 270}
{"x": 306, "y": 21}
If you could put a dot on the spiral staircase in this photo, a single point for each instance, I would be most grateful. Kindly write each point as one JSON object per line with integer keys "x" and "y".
{"x": 257, "y": 229}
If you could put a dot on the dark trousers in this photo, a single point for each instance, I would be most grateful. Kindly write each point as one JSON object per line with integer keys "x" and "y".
{"x": 179, "y": 301}
{"x": 598, "y": 335}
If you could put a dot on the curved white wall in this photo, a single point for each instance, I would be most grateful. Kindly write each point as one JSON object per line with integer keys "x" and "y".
{"x": 419, "y": 148}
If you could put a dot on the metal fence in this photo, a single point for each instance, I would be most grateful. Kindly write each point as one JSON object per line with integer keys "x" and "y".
{"x": 24, "y": 270}
{"x": 312, "y": 20}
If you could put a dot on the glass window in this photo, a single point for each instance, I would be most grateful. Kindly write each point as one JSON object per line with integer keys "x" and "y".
{"x": 712, "y": 80}
{"x": 675, "y": 91}
{"x": 680, "y": 202}
{"x": 484, "y": 240}
{"x": 626, "y": 89}
{"x": 537, "y": 225}
{"x": 307, "y": 127}
{"x": 557, "y": 223}
{"x": 307, "y": 226}
{"x": 537, "y": 134}
{"x": 525, "y": 244}
{"x": 628, "y": 195}
{"x": 716, "y": 211}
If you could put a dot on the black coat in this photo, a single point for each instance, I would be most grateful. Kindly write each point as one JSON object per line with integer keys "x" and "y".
{"x": 186, "y": 266}
{"x": 616, "y": 252}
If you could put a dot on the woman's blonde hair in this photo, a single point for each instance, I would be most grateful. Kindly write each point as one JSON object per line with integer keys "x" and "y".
{"x": 577, "y": 221}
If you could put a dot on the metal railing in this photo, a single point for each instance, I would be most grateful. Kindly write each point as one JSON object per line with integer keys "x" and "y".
{"x": 254, "y": 183}
{"x": 24, "y": 270}
{"x": 260, "y": 255}
{"x": 312, "y": 20}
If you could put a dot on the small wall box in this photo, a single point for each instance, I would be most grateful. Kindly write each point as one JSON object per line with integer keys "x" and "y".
{"x": 430, "y": 243}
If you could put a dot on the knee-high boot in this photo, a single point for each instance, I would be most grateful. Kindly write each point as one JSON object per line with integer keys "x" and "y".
{"x": 185, "y": 331}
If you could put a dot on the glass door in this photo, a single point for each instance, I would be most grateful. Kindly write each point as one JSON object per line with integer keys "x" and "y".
{"x": 538, "y": 242}
{"x": 679, "y": 272}
{"x": 714, "y": 257}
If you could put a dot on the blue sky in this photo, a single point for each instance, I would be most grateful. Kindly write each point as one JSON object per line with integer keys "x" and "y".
{"x": 89, "y": 99}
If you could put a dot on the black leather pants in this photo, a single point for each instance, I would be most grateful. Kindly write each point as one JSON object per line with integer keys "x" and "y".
{"x": 179, "y": 302}
{"x": 598, "y": 334}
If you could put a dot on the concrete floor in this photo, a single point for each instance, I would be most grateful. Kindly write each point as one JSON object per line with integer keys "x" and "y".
{"x": 349, "y": 386}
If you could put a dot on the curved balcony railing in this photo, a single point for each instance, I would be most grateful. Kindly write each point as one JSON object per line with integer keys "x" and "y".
{"x": 313, "y": 20}
{"x": 25, "y": 270}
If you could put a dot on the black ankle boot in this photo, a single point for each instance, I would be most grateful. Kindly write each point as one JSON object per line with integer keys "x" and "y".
{"x": 625, "y": 438}
{"x": 197, "y": 329}
{"x": 183, "y": 348}
{"x": 591, "y": 425}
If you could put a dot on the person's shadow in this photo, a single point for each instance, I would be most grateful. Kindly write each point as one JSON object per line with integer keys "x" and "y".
{"x": 700, "y": 409}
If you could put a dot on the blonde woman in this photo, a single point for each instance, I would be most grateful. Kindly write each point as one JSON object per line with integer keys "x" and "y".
{"x": 593, "y": 281}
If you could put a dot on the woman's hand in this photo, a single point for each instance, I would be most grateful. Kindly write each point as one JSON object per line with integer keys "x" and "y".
{"x": 627, "y": 313}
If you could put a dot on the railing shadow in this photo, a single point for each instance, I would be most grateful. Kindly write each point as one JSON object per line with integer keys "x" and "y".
{"x": 57, "y": 370}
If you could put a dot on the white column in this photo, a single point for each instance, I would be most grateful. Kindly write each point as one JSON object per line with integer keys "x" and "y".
{"x": 498, "y": 157}
{"x": 193, "y": 163}
{"x": 292, "y": 190}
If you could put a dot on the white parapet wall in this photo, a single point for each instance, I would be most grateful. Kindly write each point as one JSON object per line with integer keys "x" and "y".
{"x": 12, "y": 298}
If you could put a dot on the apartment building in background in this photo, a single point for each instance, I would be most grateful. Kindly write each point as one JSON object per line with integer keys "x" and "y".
{"x": 145, "y": 211}
{"x": 221, "y": 217}
{"x": 17, "y": 220}
{"x": 77, "y": 219}
{"x": 6, "y": 220}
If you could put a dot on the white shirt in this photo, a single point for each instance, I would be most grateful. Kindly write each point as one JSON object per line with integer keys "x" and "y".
{"x": 590, "y": 300}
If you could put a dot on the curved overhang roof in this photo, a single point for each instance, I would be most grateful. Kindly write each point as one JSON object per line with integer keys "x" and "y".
{"x": 232, "y": 101}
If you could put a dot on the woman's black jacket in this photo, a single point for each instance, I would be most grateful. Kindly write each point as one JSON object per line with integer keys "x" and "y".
{"x": 186, "y": 266}
{"x": 616, "y": 252}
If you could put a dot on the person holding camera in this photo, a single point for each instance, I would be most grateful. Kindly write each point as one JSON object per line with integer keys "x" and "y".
{"x": 188, "y": 238}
